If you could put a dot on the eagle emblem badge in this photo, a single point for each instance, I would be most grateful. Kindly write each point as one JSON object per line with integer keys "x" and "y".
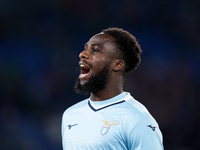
{"x": 105, "y": 128}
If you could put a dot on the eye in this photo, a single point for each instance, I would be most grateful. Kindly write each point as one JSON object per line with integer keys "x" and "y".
{"x": 95, "y": 51}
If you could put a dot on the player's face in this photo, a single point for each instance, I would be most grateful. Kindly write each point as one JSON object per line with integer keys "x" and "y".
{"x": 95, "y": 63}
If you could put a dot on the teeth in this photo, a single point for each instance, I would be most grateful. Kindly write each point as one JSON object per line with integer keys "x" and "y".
{"x": 82, "y": 65}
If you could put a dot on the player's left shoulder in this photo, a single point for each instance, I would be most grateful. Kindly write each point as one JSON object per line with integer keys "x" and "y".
{"x": 147, "y": 122}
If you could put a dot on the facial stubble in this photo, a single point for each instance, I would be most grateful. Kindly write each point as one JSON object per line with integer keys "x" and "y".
{"x": 95, "y": 83}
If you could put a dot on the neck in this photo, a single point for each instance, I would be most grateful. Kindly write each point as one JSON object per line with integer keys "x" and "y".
{"x": 107, "y": 93}
{"x": 101, "y": 96}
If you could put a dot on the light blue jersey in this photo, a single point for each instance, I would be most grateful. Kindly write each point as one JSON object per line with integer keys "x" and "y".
{"x": 119, "y": 123}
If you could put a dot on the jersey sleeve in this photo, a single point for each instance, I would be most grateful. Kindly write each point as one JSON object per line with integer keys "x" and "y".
{"x": 143, "y": 135}
{"x": 62, "y": 129}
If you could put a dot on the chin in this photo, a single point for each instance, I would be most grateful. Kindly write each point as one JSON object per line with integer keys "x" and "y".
{"x": 83, "y": 82}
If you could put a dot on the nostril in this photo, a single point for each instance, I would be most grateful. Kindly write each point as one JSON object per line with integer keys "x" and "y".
{"x": 83, "y": 55}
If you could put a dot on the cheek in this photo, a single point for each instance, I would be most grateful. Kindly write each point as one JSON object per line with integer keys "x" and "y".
{"x": 99, "y": 63}
{"x": 97, "y": 67}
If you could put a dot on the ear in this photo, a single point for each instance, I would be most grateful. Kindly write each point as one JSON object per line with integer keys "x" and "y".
{"x": 118, "y": 65}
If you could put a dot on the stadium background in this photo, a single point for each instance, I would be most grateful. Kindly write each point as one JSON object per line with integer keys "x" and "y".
{"x": 39, "y": 45}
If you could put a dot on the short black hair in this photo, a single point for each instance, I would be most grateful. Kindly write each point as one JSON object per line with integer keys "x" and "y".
{"x": 127, "y": 47}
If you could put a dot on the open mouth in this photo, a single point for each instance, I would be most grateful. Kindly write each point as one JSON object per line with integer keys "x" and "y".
{"x": 84, "y": 69}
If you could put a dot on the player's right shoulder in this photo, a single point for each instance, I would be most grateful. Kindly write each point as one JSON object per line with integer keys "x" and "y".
{"x": 79, "y": 104}
{"x": 77, "y": 107}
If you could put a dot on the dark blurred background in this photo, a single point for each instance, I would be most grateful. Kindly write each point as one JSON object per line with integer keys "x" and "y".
{"x": 39, "y": 45}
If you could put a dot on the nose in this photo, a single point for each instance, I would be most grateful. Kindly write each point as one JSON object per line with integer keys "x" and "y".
{"x": 84, "y": 54}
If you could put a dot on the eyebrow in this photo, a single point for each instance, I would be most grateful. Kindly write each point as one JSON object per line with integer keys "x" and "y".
{"x": 92, "y": 45}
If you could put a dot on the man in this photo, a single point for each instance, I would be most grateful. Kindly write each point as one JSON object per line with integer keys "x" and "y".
{"x": 110, "y": 119}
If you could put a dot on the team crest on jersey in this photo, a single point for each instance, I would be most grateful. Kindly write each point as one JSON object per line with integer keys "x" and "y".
{"x": 105, "y": 128}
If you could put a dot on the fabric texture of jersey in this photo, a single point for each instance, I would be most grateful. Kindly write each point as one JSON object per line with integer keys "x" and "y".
{"x": 119, "y": 123}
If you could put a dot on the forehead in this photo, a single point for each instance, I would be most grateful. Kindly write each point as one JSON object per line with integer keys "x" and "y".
{"x": 101, "y": 38}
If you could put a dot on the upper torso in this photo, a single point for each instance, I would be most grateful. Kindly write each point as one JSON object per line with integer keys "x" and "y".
{"x": 119, "y": 123}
